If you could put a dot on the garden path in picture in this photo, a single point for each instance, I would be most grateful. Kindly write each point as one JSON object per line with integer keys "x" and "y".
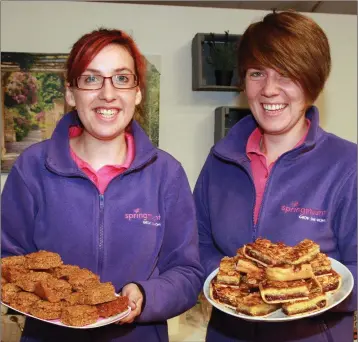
{"x": 14, "y": 149}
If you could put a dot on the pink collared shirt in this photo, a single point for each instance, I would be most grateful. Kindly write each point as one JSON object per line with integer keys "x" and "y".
{"x": 259, "y": 167}
{"x": 105, "y": 174}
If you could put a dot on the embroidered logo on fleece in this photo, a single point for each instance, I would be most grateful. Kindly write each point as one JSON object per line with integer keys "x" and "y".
{"x": 145, "y": 218}
{"x": 303, "y": 213}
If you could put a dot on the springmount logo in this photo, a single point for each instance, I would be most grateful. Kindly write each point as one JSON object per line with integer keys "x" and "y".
{"x": 145, "y": 218}
{"x": 303, "y": 213}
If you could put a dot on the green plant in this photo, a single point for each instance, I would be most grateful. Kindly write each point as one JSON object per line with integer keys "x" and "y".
{"x": 222, "y": 53}
{"x": 19, "y": 119}
{"x": 22, "y": 127}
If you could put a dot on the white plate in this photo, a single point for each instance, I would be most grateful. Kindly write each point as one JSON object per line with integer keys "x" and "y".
{"x": 279, "y": 316}
{"x": 100, "y": 323}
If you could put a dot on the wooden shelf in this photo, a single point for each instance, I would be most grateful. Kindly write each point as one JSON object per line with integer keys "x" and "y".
{"x": 216, "y": 88}
{"x": 203, "y": 76}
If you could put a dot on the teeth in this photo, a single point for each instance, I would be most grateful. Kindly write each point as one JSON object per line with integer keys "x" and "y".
{"x": 106, "y": 112}
{"x": 273, "y": 106}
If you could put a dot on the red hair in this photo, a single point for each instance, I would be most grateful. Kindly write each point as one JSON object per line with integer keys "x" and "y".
{"x": 89, "y": 45}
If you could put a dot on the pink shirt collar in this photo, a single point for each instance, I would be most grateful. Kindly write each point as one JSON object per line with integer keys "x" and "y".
{"x": 76, "y": 131}
{"x": 253, "y": 143}
{"x": 102, "y": 177}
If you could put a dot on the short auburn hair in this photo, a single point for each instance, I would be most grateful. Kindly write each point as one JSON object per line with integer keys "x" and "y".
{"x": 89, "y": 45}
{"x": 291, "y": 44}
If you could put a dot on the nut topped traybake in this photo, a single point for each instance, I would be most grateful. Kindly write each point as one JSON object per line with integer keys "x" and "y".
{"x": 264, "y": 277}
{"x": 41, "y": 285}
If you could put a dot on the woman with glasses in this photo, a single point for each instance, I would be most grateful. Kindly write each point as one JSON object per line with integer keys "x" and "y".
{"x": 278, "y": 175}
{"x": 103, "y": 197}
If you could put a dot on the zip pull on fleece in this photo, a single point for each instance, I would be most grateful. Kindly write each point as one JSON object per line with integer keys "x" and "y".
{"x": 101, "y": 201}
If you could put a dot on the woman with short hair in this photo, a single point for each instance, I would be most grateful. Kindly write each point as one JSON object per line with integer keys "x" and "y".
{"x": 275, "y": 165}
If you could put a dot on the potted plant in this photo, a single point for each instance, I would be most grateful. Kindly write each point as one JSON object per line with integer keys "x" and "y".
{"x": 222, "y": 57}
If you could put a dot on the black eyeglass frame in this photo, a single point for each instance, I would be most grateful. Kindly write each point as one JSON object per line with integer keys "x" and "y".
{"x": 111, "y": 78}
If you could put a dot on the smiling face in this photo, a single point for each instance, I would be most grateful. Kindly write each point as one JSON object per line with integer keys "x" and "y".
{"x": 277, "y": 103}
{"x": 106, "y": 112}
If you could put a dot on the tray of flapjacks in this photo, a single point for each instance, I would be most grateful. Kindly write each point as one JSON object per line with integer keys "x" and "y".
{"x": 41, "y": 286}
{"x": 273, "y": 282}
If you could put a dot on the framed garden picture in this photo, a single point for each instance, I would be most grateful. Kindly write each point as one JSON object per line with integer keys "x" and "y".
{"x": 33, "y": 100}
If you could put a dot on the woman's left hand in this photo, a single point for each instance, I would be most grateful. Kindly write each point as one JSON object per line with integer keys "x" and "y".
{"x": 135, "y": 297}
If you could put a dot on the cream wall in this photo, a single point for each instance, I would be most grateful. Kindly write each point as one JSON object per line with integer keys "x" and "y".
{"x": 186, "y": 117}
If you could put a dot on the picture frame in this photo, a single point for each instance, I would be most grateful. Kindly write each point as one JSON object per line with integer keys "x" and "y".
{"x": 33, "y": 100}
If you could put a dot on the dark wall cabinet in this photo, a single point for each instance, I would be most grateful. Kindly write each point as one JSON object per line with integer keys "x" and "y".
{"x": 203, "y": 74}
{"x": 225, "y": 118}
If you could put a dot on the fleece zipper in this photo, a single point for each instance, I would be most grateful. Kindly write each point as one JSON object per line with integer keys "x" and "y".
{"x": 101, "y": 213}
{"x": 101, "y": 234}
{"x": 248, "y": 172}
{"x": 263, "y": 202}
{"x": 325, "y": 331}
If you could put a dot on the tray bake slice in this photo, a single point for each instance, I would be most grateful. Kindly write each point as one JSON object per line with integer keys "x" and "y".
{"x": 289, "y": 272}
{"x": 23, "y": 301}
{"x": 79, "y": 315}
{"x": 46, "y": 310}
{"x": 42, "y": 260}
{"x": 64, "y": 271}
{"x": 16, "y": 260}
{"x": 227, "y": 271}
{"x": 227, "y": 294}
{"x": 316, "y": 300}
{"x": 103, "y": 292}
{"x": 330, "y": 283}
{"x": 253, "y": 305}
{"x": 13, "y": 273}
{"x": 321, "y": 265}
{"x": 303, "y": 252}
{"x": 9, "y": 291}
{"x": 265, "y": 252}
{"x": 108, "y": 309}
{"x": 53, "y": 289}
{"x": 253, "y": 279}
{"x": 83, "y": 279}
{"x": 273, "y": 291}
{"x": 246, "y": 265}
{"x": 29, "y": 280}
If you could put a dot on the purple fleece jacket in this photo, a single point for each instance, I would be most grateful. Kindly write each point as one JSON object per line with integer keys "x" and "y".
{"x": 311, "y": 193}
{"x": 143, "y": 229}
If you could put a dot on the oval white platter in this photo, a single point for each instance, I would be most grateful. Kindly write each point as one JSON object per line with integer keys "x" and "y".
{"x": 279, "y": 316}
{"x": 100, "y": 322}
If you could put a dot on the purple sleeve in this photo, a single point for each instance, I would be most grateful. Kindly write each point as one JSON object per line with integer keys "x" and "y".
{"x": 210, "y": 256}
{"x": 345, "y": 226}
{"x": 17, "y": 216}
{"x": 176, "y": 287}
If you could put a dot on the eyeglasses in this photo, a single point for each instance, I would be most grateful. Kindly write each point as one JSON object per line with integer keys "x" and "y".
{"x": 95, "y": 82}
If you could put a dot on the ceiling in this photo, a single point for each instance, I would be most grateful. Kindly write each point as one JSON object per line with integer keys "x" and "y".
{"x": 333, "y": 7}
